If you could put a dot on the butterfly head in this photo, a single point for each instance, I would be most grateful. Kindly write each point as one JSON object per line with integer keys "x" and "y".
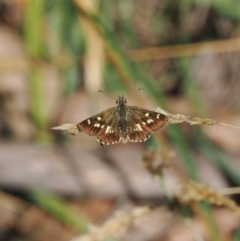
{"x": 121, "y": 101}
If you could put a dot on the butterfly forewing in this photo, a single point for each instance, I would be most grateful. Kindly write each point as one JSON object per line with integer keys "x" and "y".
{"x": 142, "y": 122}
{"x": 98, "y": 124}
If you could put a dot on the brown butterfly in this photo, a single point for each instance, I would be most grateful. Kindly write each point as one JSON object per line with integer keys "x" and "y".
{"x": 123, "y": 123}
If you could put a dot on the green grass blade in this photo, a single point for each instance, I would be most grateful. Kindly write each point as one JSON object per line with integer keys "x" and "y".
{"x": 57, "y": 208}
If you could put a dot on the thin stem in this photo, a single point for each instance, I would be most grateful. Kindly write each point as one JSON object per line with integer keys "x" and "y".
{"x": 195, "y": 232}
{"x": 230, "y": 191}
{"x": 223, "y": 124}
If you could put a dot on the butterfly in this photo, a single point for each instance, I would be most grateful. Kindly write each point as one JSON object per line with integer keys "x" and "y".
{"x": 123, "y": 123}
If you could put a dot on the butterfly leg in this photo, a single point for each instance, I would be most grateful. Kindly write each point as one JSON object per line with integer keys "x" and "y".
{"x": 102, "y": 145}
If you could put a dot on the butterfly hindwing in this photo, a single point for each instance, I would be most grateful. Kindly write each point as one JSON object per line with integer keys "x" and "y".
{"x": 110, "y": 136}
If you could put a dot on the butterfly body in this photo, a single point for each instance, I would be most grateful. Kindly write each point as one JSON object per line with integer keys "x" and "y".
{"x": 123, "y": 123}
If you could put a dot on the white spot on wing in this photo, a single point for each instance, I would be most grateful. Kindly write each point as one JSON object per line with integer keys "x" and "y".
{"x": 149, "y": 121}
{"x": 99, "y": 118}
{"x": 158, "y": 116}
{"x": 108, "y": 130}
{"x": 139, "y": 128}
{"x": 89, "y": 122}
{"x": 97, "y": 125}
{"x": 147, "y": 114}
{"x": 102, "y": 126}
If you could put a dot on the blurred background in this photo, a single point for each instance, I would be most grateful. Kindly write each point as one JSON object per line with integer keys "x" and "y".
{"x": 55, "y": 56}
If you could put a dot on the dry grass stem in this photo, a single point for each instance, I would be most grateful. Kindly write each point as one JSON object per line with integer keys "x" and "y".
{"x": 73, "y": 129}
{"x": 147, "y": 54}
{"x": 223, "y": 124}
{"x": 67, "y": 128}
{"x": 230, "y": 191}
{"x": 115, "y": 226}
{"x": 178, "y": 118}
{"x": 193, "y": 192}
{"x": 166, "y": 52}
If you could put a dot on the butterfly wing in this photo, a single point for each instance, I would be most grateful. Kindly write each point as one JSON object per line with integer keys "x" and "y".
{"x": 110, "y": 129}
{"x": 109, "y": 138}
{"x": 103, "y": 125}
{"x": 97, "y": 124}
{"x": 142, "y": 122}
{"x": 111, "y": 133}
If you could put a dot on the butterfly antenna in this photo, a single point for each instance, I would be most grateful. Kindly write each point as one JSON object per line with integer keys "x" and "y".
{"x": 223, "y": 124}
{"x": 100, "y": 91}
